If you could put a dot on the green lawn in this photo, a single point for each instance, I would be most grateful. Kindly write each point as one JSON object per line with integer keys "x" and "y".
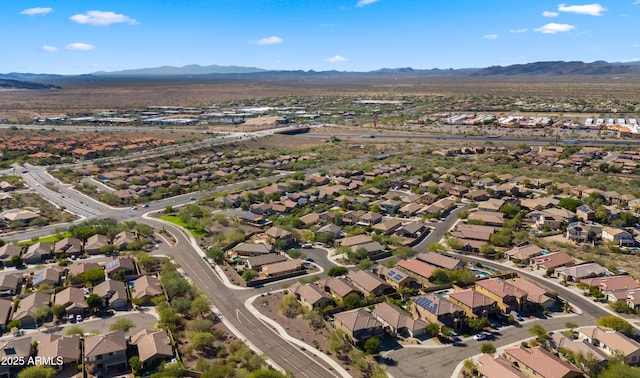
{"x": 195, "y": 231}
{"x": 48, "y": 239}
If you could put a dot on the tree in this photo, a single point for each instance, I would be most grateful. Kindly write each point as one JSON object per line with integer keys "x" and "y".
{"x": 454, "y": 243}
{"x": 121, "y": 324}
{"x": 569, "y": 203}
{"x": 403, "y": 252}
{"x": 200, "y": 306}
{"x": 201, "y": 341}
{"x": 372, "y": 346}
{"x": 588, "y": 363}
{"x": 294, "y": 253}
{"x": 94, "y": 301}
{"x": 181, "y": 305}
{"x": 57, "y": 310}
{"x": 447, "y": 332}
{"x": 41, "y": 314}
{"x": 336, "y": 271}
{"x": 616, "y": 323}
{"x": 136, "y": 365}
{"x": 338, "y": 341}
{"x": 365, "y": 264}
{"x": 477, "y": 324}
{"x": 436, "y": 247}
{"x": 16, "y": 261}
{"x": 37, "y": 371}
{"x": 74, "y": 330}
{"x": 249, "y": 274}
{"x": 539, "y": 332}
{"x": 214, "y": 253}
{"x": 487, "y": 348}
{"x": 351, "y": 300}
{"x": 289, "y": 306}
{"x": 433, "y": 329}
{"x": 620, "y": 370}
{"x": 201, "y": 325}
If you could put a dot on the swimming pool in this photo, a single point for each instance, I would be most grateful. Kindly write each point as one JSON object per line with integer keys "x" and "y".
{"x": 481, "y": 273}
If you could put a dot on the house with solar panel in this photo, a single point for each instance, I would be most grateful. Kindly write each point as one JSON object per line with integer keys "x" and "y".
{"x": 437, "y": 309}
{"x": 395, "y": 277}
{"x": 117, "y": 264}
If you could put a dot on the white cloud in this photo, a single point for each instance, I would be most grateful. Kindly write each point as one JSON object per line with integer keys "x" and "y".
{"x": 79, "y": 46}
{"x": 491, "y": 36}
{"x": 47, "y": 48}
{"x": 37, "y": 10}
{"x": 100, "y": 18}
{"x": 362, "y": 3}
{"x": 553, "y": 28}
{"x": 594, "y": 9}
{"x": 273, "y": 40}
{"x": 523, "y": 30}
{"x": 336, "y": 59}
{"x": 550, "y": 14}
{"x": 637, "y": 2}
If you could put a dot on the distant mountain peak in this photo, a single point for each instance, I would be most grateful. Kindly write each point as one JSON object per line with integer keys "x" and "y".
{"x": 191, "y": 69}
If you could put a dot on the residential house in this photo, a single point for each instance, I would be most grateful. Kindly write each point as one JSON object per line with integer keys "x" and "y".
{"x": 537, "y": 296}
{"x": 583, "y": 232}
{"x": 509, "y": 297}
{"x": 618, "y": 236}
{"x": 145, "y": 288}
{"x": 442, "y": 208}
{"x": 437, "y": 309}
{"x": 390, "y": 206}
{"x": 5, "y": 310}
{"x": 275, "y": 234}
{"x": 524, "y": 252}
{"x": 310, "y": 219}
{"x": 9, "y": 284}
{"x": 50, "y": 276}
{"x": 577, "y": 272}
{"x": 395, "y": 277}
{"x": 585, "y": 213}
{"x": 16, "y": 353}
{"x": 106, "y": 353}
{"x": 473, "y": 303}
{"x": 369, "y": 218}
{"x": 338, "y": 287}
{"x": 491, "y": 205}
{"x": 477, "y": 195}
{"x": 257, "y": 262}
{"x": 7, "y": 252}
{"x": 124, "y": 238}
{"x": 496, "y": 366}
{"x": 473, "y": 232}
{"x": 614, "y": 288}
{"x": 36, "y": 253}
{"x": 246, "y": 250}
{"x": 72, "y": 299}
{"x": 359, "y": 325}
{"x": 310, "y": 295}
{"x": 558, "y": 340}
{"x": 552, "y": 260}
{"x": 356, "y": 240}
{"x": 410, "y": 209}
{"x": 28, "y": 305}
{"x": 283, "y": 268}
{"x": 419, "y": 269}
{"x": 118, "y": 265}
{"x": 397, "y": 320}
{"x": 566, "y": 215}
{"x": 369, "y": 283}
{"x": 490, "y": 218}
{"x": 70, "y": 246}
{"x": 114, "y": 294}
{"x": 52, "y": 346}
{"x": 548, "y": 221}
{"x": 332, "y": 229}
{"x": 441, "y": 261}
{"x": 374, "y": 250}
{"x": 77, "y": 267}
{"x": 153, "y": 347}
{"x": 388, "y": 226}
{"x": 537, "y": 362}
{"x": 411, "y": 230}
{"x": 609, "y": 341}
{"x": 94, "y": 244}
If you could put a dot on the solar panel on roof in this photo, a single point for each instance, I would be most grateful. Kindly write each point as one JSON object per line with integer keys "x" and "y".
{"x": 397, "y": 277}
{"x": 112, "y": 263}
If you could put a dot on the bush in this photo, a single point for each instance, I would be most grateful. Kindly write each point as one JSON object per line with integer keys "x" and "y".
{"x": 336, "y": 271}
{"x": 488, "y": 348}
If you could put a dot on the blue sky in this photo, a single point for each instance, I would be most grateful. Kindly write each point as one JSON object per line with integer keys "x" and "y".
{"x": 75, "y": 37}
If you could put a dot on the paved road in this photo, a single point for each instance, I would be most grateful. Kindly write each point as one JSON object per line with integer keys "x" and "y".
{"x": 231, "y": 304}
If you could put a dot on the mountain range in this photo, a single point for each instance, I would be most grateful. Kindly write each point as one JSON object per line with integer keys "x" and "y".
{"x": 553, "y": 68}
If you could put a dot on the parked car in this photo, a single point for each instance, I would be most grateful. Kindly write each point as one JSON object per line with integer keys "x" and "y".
{"x": 480, "y": 337}
{"x": 71, "y": 318}
{"x": 78, "y": 318}
{"x": 516, "y": 316}
{"x": 307, "y": 246}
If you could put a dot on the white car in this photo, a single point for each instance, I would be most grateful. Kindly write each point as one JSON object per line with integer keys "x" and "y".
{"x": 479, "y": 337}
